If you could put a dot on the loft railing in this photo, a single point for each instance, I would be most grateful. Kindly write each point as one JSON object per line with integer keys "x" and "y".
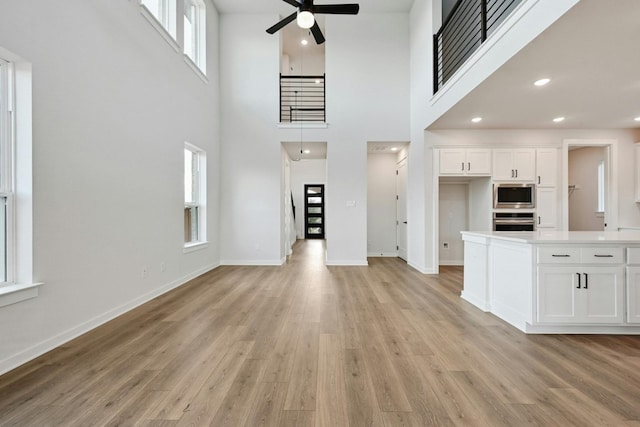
{"x": 463, "y": 31}
{"x": 302, "y": 98}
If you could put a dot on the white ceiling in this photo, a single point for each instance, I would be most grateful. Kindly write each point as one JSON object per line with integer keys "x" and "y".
{"x": 591, "y": 55}
{"x": 318, "y": 150}
{"x": 279, "y": 6}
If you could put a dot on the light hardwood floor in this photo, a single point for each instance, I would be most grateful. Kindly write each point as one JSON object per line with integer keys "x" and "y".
{"x": 309, "y": 345}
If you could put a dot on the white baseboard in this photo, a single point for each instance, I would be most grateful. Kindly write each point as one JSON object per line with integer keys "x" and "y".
{"x": 421, "y": 269}
{"x": 253, "y": 263}
{"x": 453, "y": 262}
{"x": 347, "y": 263}
{"x": 382, "y": 254}
{"x": 49, "y": 344}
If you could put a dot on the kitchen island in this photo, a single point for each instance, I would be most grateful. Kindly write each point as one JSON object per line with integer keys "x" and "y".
{"x": 556, "y": 281}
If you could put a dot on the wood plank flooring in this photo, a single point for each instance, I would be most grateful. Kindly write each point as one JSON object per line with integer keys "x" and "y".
{"x": 310, "y": 345}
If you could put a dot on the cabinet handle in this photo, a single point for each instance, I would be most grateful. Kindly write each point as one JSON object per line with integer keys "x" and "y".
{"x": 579, "y": 280}
{"x": 469, "y": 166}
{"x": 511, "y": 173}
{"x": 462, "y": 166}
{"x": 603, "y": 256}
{"x": 538, "y": 179}
{"x": 516, "y": 173}
{"x": 538, "y": 219}
{"x": 561, "y": 256}
{"x": 586, "y": 281}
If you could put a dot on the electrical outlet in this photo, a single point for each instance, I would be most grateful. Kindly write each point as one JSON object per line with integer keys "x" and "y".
{"x": 445, "y": 245}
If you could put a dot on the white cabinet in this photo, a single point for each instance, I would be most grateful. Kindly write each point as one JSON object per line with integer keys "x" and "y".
{"x": 465, "y": 161}
{"x": 580, "y": 285}
{"x": 547, "y": 208}
{"x": 633, "y": 285}
{"x": 547, "y": 167}
{"x": 514, "y": 165}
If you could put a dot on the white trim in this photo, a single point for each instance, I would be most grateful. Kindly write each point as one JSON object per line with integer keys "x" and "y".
{"x": 452, "y": 262}
{"x": 161, "y": 29}
{"x": 382, "y": 255}
{"x": 346, "y": 263}
{"x": 252, "y": 263}
{"x": 303, "y": 125}
{"x": 49, "y": 344}
{"x": 12, "y": 294}
{"x": 422, "y": 269}
{"x": 193, "y": 247}
{"x": 196, "y": 69}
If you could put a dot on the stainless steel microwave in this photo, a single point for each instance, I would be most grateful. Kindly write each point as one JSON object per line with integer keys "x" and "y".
{"x": 514, "y": 196}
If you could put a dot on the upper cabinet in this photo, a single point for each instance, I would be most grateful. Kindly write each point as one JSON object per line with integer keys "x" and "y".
{"x": 547, "y": 167}
{"x": 465, "y": 162}
{"x": 516, "y": 165}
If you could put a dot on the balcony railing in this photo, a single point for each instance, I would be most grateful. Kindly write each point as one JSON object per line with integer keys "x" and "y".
{"x": 302, "y": 98}
{"x": 468, "y": 25}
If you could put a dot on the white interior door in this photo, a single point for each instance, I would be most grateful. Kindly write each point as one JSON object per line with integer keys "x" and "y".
{"x": 401, "y": 209}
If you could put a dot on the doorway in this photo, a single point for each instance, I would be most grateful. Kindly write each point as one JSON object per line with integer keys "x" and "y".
{"x": 314, "y": 211}
{"x": 401, "y": 209}
{"x": 591, "y": 203}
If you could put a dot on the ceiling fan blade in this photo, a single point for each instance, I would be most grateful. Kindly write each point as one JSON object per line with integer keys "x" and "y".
{"x": 282, "y": 23}
{"x": 337, "y": 9}
{"x": 317, "y": 33}
{"x": 294, "y": 3}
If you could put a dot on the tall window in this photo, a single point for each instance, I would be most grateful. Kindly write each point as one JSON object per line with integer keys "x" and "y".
{"x": 165, "y": 12}
{"x": 6, "y": 171}
{"x": 195, "y": 32}
{"x": 194, "y": 195}
{"x": 601, "y": 187}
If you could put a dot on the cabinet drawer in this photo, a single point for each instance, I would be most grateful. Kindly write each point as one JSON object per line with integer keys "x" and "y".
{"x": 633, "y": 255}
{"x": 602, "y": 255}
{"x": 558, "y": 255}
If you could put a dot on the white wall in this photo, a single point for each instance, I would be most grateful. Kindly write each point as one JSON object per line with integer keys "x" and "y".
{"x": 251, "y": 225}
{"x": 305, "y": 172}
{"x": 381, "y": 204}
{"x": 453, "y": 217}
{"x": 583, "y": 201}
{"x": 108, "y": 135}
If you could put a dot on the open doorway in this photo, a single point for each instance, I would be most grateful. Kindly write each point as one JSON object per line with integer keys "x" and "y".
{"x": 590, "y": 188}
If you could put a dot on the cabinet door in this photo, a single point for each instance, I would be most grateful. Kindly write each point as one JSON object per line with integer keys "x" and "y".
{"x": 478, "y": 161}
{"x": 503, "y": 165}
{"x": 452, "y": 161}
{"x": 547, "y": 167}
{"x": 524, "y": 163}
{"x": 558, "y": 294}
{"x": 633, "y": 294}
{"x": 546, "y": 208}
{"x": 602, "y": 295}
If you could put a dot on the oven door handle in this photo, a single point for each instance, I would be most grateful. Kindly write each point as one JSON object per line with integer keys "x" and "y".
{"x": 509, "y": 221}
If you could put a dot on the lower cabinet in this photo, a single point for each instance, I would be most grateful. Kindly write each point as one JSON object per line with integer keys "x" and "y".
{"x": 581, "y": 294}
{"x": 633, "y": 294}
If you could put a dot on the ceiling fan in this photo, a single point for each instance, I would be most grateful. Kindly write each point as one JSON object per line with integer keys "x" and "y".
{"x": 305, "y": 19}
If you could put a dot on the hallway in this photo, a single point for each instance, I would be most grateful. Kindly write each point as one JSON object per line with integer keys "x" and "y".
{"x": 305, "y": 344}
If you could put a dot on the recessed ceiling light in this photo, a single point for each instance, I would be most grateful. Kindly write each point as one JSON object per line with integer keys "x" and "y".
{"x": 307, "y": 151}
{"x": 558, "y": 119}
{"x": 637, "y": 119}
{"x": 541, "y": 82}
{"x": 476, "y": 119}
{"x": 394, "y": 148}
{"x": 304, "y": 42}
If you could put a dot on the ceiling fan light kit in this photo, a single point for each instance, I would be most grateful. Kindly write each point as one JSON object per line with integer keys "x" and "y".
{"x": 305, "y": 18}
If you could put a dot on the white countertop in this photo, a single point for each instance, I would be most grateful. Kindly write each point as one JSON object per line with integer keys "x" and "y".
{"x": 565, "y": 237}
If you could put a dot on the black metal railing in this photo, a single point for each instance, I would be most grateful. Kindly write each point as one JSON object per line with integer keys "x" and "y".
{"x": 302, "y": 98}
{"x": 463, "y": 31}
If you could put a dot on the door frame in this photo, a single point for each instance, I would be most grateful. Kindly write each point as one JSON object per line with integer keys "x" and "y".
{"x": 402, "y": 163}
{"x": 611, "y": 179}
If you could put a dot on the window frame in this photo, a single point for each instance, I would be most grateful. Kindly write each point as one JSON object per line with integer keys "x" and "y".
{"x": 7, "y": 167}
{"x": 198, "y": 34}
{"x": 198, "y": 178}
{"x": 166, "y": 23}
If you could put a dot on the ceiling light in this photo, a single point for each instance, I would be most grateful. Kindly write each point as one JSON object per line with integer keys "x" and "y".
{"x": 307, "y": 151}
{"x": 558, "y": 119}
{"x": 304, "y": 42}
{"x": 476, "y": 119}
{"x": 394, "y": 148}
{"x": 317, "y": 81}
{"x": 637, "y": 119}
{"x": 305, "y": 19}
{"x": 541, "y": 82}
